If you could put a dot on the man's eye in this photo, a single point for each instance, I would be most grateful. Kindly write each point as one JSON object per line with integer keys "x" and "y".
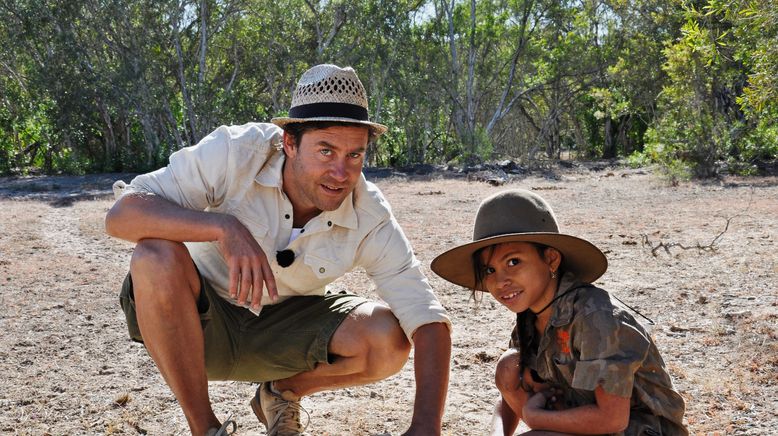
{"x": 325, "y": 151}
{"x": 355, "y": 155}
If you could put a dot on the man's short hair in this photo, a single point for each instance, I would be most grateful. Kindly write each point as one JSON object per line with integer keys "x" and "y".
{"x": 296, "y": 130}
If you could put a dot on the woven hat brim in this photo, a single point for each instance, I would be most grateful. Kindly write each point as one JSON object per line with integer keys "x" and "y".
{"x": 579, "y": 256}
{"x": 379, "y": 129}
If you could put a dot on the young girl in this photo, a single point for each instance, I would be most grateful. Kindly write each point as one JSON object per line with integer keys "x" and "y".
{"x": 577, "y": 362}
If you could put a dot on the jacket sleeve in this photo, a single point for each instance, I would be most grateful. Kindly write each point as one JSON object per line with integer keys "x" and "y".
{"x": 611, "y": 351}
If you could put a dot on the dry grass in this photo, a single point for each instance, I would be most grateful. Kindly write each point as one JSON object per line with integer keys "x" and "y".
{"x": 69, "y": 369}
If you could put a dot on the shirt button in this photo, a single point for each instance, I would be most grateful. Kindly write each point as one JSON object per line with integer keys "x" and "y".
{"x": 302, "y": 231}
{"x": 329, "y": 223}
{"x": 286, "y": 216}
{"x": 321, "y": 270}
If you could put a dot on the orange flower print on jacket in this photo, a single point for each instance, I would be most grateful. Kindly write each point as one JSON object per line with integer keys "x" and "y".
{"x": 563, "y": 340}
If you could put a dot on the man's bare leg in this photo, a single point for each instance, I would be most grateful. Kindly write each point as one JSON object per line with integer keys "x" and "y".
{"x": 368, "y": 346}
{"x": 166, "y": 289}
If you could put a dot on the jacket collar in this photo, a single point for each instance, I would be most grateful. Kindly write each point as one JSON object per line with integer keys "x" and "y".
{"x": 563, "y": 313}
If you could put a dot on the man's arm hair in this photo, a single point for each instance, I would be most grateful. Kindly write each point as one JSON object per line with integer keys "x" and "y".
{"x": 137, "y": 216}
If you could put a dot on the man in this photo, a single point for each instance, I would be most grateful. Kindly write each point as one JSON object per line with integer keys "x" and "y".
{"x": 236, "y": 240}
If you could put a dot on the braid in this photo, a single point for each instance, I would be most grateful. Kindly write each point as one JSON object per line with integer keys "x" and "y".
{"x": 525, "y": 326}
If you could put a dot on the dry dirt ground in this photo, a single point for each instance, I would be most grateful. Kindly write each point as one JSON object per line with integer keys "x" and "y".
{"x": 68, "y": 368}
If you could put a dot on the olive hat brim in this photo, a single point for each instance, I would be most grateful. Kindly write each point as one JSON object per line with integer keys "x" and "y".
{"x": 580, "y": 257}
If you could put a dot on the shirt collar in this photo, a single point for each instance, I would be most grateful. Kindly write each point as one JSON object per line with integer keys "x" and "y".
{"x": 271, "y": 175}
{"x": 563, "y": 311}
{"x": 345, "y": 215}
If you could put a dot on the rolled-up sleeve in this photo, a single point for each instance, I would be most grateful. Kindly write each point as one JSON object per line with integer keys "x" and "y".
{"x": 388, "y": 259}
{"x": 611, "y": 352}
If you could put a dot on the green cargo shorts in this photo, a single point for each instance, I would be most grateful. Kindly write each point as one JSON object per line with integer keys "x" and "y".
{"x": 284, "y": 340}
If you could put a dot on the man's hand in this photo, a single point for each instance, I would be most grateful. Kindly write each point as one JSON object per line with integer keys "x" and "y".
{"x": 247, "y": 264}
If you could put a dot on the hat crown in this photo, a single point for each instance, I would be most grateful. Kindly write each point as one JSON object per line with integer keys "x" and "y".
{"x": 328, "y": 92}
{"x": 511, "y": 212}
{"x": 327, "y": 83}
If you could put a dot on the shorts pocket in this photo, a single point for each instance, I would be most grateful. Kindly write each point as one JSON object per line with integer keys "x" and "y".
{"x": 127, "y": 302}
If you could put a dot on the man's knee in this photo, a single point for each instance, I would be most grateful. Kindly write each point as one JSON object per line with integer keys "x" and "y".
{"x": 162, "y": 269}
{"x": 506, "y": 376}
{"x": 389, "y": 347}
{"x": 157, "y": 255}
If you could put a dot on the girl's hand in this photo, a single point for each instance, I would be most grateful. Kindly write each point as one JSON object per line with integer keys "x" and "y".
{"x": 546, "y": 399}
{"x": 534, "y": 406}
{"x": 555, "y": 399}
{"x": 536, "y": 402}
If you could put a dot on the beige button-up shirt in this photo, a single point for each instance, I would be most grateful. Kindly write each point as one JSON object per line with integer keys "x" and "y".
{"x": 237, "y": 170}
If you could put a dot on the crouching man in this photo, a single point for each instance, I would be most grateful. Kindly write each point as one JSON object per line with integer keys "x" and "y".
{"x": 237, "y": 239}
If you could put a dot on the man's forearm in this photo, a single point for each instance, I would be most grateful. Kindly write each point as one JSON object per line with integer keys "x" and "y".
{"x": 139, "y": 216}
{"x": 432, "y": 358}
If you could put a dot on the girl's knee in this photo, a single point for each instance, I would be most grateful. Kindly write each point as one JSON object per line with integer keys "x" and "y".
{"x": 507, "y": 377}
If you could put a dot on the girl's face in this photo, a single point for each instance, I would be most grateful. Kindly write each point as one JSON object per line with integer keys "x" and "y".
{"x": 518, "y": 276}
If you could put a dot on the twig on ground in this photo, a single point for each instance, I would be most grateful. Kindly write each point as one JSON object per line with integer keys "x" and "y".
{"x": 710, "y": 247}
{"x": 667, "y": 246}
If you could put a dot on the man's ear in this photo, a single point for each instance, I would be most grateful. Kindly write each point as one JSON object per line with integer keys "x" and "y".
{"x": 553, "y": 258}
{"x": 290, "y": 147}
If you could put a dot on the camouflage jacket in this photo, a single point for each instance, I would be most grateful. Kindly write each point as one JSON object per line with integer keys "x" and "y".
{"x": 590, "y": 341}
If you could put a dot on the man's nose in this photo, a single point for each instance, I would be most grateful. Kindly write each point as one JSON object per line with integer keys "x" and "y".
{"x": 338, "y": 170}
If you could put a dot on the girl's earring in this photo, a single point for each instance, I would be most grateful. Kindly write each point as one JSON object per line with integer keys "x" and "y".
{"x": 553, "y": 274}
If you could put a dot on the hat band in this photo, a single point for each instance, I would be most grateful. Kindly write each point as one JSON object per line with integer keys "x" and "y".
{"x": 329, "y": 110}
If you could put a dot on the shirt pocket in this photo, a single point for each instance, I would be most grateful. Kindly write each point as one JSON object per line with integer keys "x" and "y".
{"x": 565, "y": 366}
{"x": 324, "y": 267}
{"x": 258, "y": 230}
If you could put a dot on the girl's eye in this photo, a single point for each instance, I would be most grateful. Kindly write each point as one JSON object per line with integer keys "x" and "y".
{"x": 488, "y": 270}
{"x": 513, "y": 262}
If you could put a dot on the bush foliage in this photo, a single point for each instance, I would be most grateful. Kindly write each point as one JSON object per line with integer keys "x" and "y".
{"x": 118, "y": 85}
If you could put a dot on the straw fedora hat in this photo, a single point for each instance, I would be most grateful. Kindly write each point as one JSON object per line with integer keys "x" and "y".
{"x": 519, "y": 216}
{"x": 330, "y": 93}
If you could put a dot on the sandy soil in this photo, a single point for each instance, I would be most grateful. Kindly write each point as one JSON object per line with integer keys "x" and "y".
{"x": 68, "y": 368}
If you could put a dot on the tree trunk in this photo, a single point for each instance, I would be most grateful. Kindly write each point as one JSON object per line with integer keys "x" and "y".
{"x": 109, "y": 139}
{"x": 190, "y": 113}
{"x": 609, "y": 148}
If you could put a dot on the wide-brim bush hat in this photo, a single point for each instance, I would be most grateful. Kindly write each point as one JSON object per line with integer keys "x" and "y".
{"x": 518, "y": 215}
{"x": 328, "y": 92}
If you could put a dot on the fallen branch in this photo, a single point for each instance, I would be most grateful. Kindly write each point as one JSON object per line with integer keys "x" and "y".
{"x": 667, "y": 246}
{"x": 710, "y": 247}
